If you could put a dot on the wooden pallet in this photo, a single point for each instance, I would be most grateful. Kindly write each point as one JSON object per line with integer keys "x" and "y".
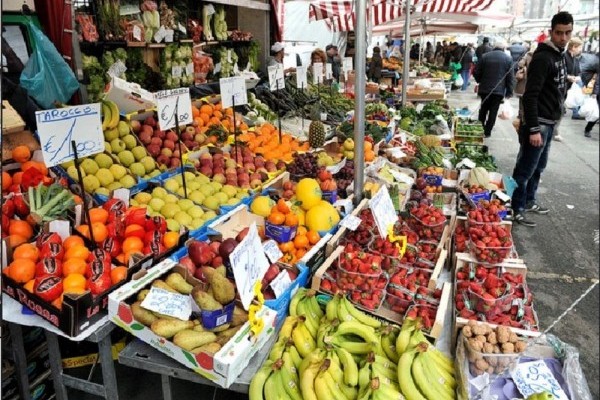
{"x": 11, "y": 120}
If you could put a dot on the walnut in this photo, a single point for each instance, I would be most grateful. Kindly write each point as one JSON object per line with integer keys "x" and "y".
{"x": 476, "y": 371}
{"x": 488, "y": 348}
{"x": 491, "y": 337}
{"x": 520, "y": 346}
{"x": 482, "y": 364}
{"x": 493, "y": 361}
{"x": 481, "y": 338}
{"x": 478, "y": 330}
{"x": 472, "y": 357}
{"x": 467, "y": 331}
{"x": 472, "y": 323}
{"x": 475, "y": 344}
{"x": 508, "y": 348}
{"x": 496, "y": 349}
{"x": 502, "y": 334}
{"x": 513, "y": 338}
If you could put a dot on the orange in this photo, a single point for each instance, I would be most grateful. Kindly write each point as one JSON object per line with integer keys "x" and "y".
{"x": 29, "y": 286}
{"x": 170, "y": 239}
{"x": 98, "y": 215}
{"x": 74, "y": 290}
{"x": 84, "y": 230}
{"x": 22, "y": 270}
{"x": 117, "y": 274}
{"x": 135, "y": 230}
{"x": 77, "y": 251}
{"x": 74, "y": 281}
{"x": 301, "y": 230}
{"x": 286, "y": 247}
{"x": 121, "y": 258}
{"x": 313, "y": 237}
{"x": 195, "y": 111}
{"x": 205, "y": 118}
{"x": 291, "y": 219}
{"x": 21, "y": 228}
{"x": 282, "y": 206}
{"x": 300, "y": 242}
{"x": 21, "y": 154}
{"x": 17, "y": 177}
{"x": 206, "y": 109}
{"x": 34, "y": 164}
{"x": 74, "y": 266}
{"x": 6, "y": 181}
{"x": 72, "y": 241}
{"x": 100, "y": 232}
{"x": 132, "y": 244}
{"x": 27, "y": 250}
{"x": 300, "y": 253}
{"x": 276, "y": 218}
{"x": 16, "y": 240}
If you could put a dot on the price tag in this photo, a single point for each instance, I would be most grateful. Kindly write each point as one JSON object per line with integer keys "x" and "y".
{"x": 137, "y": 33}
{"x": 209, "y": 9}
{"x": 117, "y": 69}
{"x": 272, "y": 251}
{"x": 301, "y": 77}
{"x": 346, "y": 204}
{"x": 233, "y": 90}
{"x": 249, "y": 265}
{"x": 281, "y": 283}
{"x": 121, "y": 194}
{"x": 467, "y": 163}
{"x": 217, "y": 68}
{"x": 328, "y": 71}
{"x": 62, "y": 227}
{"x": 392, "y": 126}
{"x": 334, "y": 169}
{"x": 502, "y": 196}
{"x": 58, "y": 127}
{"x": 317, "y": 71}
{"x": 167, "y": 101}
{"x": 168, "y": 303}
{"x": 176, "y": 71}
{"x": 351, "y": 222}
{"x": 450, "y": 183}
{"x": 160, "y": 34}
{"x": 535, "y": 377}
{"x": 347, "y": 64}
{"x": 189, "y": 69}
{"x": 276, "y": 80}
{"x": 400, "y": 177}
{"x": 383, "y": 210}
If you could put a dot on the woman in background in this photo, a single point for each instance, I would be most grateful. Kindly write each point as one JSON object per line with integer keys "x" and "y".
{"x": 375, "y": 65}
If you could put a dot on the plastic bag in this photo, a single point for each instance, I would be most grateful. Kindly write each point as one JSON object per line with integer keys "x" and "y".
{"x": 47, "y": 77}
{"x": 575, "y": 97}
{"x": 506, "y": 111}
{"x": 458, "y": 82}
{"x": 589, "y": 109}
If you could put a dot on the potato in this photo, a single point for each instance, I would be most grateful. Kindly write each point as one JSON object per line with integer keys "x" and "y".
{"x": 481, "y": 338}
{"x": 488, "y": 348}
{"x": 189, "y": 339}
{"x": 210, "y": 348}
{"x": 177, "y": 282}
{"x": 223, "y": 289}
{"x": 163, "y": 285}
{"x": 142, "y": 315}
{"x": 223, "y": 337}
{"x": 168, "y": 328}
{"x": 204, "y": 300}
{"x": 240, "y": 316}
{"x": 142, "y": 294}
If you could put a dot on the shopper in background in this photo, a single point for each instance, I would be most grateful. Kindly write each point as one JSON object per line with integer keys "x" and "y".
{"x": 317, "y": 56}
{"x": 521, "y": 76}
{"x": 428, "y": 54}
{"x": 495, "y": 77}
{"x": 517, "y": 50}
{"x": 414, "y": 51}
{"x": 396, "y": 53}
{"x": 543, "y": 103}
{"x": 334, "y": 60}
{"x": 483, "y": 48}
{"x": 596, "y": 91}
{"x": 466, "y": 63}
{"x": 277, "y": 54}
{"x": 375, "y": 66}
{"x": 573, "y": 63}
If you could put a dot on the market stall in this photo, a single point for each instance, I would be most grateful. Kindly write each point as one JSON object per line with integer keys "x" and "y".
{"x": 365, "y": 251}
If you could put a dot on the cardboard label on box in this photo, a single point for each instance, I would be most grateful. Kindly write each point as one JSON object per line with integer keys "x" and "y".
{"x": 129, "y": 97}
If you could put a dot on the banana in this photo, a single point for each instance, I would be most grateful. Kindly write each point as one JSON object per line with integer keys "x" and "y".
{"x": 403, "y": 339}
{"x": 408, "y": 388}
{"x": 426, "y": 383}
{"x": 289, "y": 378}
{"x": 332, "y": 307}
{"x": 303, "y": 340}
{"x": 430, "y": 360}
{"x": 389, "y": 348}
{"x": 315, "y": 357}
{"x": 349, "y": 366}
{"x": 311, "y": 324}
{"x": 313, "y": 304}
{"x": 343, "y": 313}
{"x": 295, "y": 356}
{"x": 387, "y": 393}
{"x": 324, "y": 330}
{"x": 295, "y": 300}
{"x": 106, "y": 115}
{"x": 352, "y": 347}
{"x": 272, "y": 390}
{"x": 360, "y": 316}
{"x": 439, "y": 382}
{"x": 288, "y": 365}
{"x": 385, "y": 363}
{"x": 307, "y": 382}
{"x": 356, "y": 328}
{"x": 380, "y": 371}
{"x": 321, "y": 389}
{"x": 442, "y": 360}
{"x": 255, "y": 392}
{"x": 386, "y": 383}
{"x": 278, "y": 349}
{"x": 114, "y": 114}
{"x": 335, "y": 369}
{"x": 364, "y": 375}
{"x": 287, "y": 326}
{"x": 333, "y": 387}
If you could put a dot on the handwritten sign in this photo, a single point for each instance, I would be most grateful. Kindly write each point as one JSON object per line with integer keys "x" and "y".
{"x": 176, "y": 71}
{"x": 276, "y": 80}
{"x": 301, "y": 81}
{"x": 189, "y": 69}
{"x": 317, "y": 71}
{"x": 137, "y": 33}
{"x": 233, "y": 90}
{"x": 249, "y": 265}
{"x": 345, "y": 204}
{"x": 160, "y": 34}
{"x": 58, "y": 127}
{"x": 168, "y": 303}
{"x": 272, "y": 251}
{"x": 117, "y": 69}
{"x": 351, "y": 222}
{"x": 281, "y": 283}
{"x": 167, "y": 101}
{"x": 383, "y": 210}
{"x": 535, "y": 377}
{"x": 328, "y": 71}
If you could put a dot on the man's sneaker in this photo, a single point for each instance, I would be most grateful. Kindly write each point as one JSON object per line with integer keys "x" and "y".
{"x": 520, "y": 219}
{"x": 536, "y": 208}
{"x": 558, "y": 138}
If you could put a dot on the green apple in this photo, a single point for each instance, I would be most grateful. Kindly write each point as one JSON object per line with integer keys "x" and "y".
{"x": 103, "y": 160}
{"x": 189, "y": 176}
{"x": 216, "y": 186}
{"x": 183, "y": 218}
{"x": 210, "y": 214}
{"x": 197, "y": 197}
{"x": 241, "y": 195}
{"x": 139, "y": 152}
{"x": 126, "y": 158}
{"x": 196, "y": 224}
{"x": 185, "y": 204}
{"x": 72, "y": 172}
{"x": 221, "y": 197}
{"x": 133, "y": 202}
{"x": 171, "y": 185}
{"x": 169, "y": 210}
{"x": 111, "y": 134}
{"x": 195, "y": 211}
{"x": 102, "y": 191}
{"x": 181, "y": 192}
{"x": 232, "y": 201}
{"x": 149, "y": 164}
{"x": 129, "y": 141}
{"x": 117, "y": 146}
{"x": 91, "y": 183}
{"x": 127, "y": 181}
{"x": 114, "y": 186}
{"x": 68, "y": 164}
{"x": 137, "y": 169}
{"x": 118, "y": 171}
{"x": 159, "y": 192}
{"x": 156, "y": 203}
{"x": 211, "y": 202}
{"x": 89, "y": 166}
{"x": 172, "y": 225}
{"x": 154, "y": 173}
{"x": 229, "y": 190}
{"x": 105, "y": 177}
{"x": 123, "y": 128}
{"x": 171, "y": 198}
{"x": 192, "y": 185}
{"x": 207, "y": 190}
{"x": 143, "y": 197}
{"x": 203, "y": 179}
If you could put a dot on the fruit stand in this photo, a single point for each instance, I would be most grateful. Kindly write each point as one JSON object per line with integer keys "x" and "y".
{"x": 310, "y": 263}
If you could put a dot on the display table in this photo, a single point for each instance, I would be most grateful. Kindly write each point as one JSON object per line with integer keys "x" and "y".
{"x": 138, "y": 354}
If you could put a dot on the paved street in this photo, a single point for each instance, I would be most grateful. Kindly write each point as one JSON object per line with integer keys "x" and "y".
{"x": 562, "y": 251}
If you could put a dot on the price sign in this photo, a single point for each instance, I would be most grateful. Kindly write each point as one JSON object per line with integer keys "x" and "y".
{"x": 168, "y": 303}
{"x": 233, "y": 90}
{"x": 281, "y": 283}
{"x": 347, "y": 64}
{"x": 317, "y": 71}
{"x": 117, "y": 69}
{"x": 276, "y": 80}
{"x": 351, "y": 222}
{"x": 176, "y": 71}
{"x": 272, "y": 251}
{"x": 535, "y": 377}
{"x": 301, "y": 81}
{"x": 62, "y": 227}
{"x": 249, "y": 265}
{"x": 160, "y": 34}
{"x": 189, "y": 69}
{"x": 401, "y": 177}
{"x": 383, "y": 210}
{"x": 167, "y": 101}
{"x": 328, "y": 71}
{"x": 58, "y": 127}
{"x": 122, "y": 194}
{"x": 137, "y": 33}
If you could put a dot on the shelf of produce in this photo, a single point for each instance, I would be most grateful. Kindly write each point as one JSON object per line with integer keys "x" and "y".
{"x": 256, "y": 5}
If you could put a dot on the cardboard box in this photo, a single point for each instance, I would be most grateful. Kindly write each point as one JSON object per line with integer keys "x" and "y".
{"x": 223, "y": 367}
{"x": 232, "y": 223}
{"x": 129, "y": 97}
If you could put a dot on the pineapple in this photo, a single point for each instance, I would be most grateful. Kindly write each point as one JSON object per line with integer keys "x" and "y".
{"x": 316, "y": 130}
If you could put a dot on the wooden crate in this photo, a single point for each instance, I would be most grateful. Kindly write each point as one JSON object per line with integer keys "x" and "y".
{"x": 11, "y": 120}
{"x": 12, "y": 140}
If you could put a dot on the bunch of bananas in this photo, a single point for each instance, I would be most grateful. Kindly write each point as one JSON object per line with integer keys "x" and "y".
{"x": 345, "y": 354}
{"x": 110, "y": 115}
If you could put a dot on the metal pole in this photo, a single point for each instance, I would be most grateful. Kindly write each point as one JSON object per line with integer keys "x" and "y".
{"x": 360, "y": 61}
{"x": 405, "y": 65}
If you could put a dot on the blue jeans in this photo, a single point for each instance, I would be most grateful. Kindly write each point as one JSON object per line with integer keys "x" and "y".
{"x": 466, "y": 75}
{"x": 531, "y": 162}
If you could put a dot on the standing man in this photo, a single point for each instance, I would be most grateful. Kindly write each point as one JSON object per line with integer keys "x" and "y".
{"x": 517, "y": 50}
{"x": 543, "y": 103}
{"x": 276, "y": 59}
{"x": 466, "y": 63}
{"x": 483, "y": 48}
{"x": 495, "y": 76}
{"x": 334, "y": 60}
{"x": 573, "y": 64}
